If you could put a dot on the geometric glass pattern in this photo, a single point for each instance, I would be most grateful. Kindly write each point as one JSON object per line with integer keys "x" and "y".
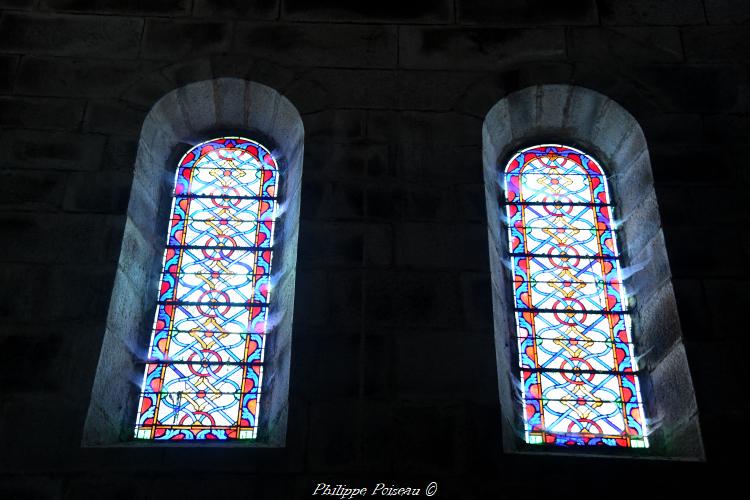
{"x": 579, "y": 376}
{"x": 204, "y": 366}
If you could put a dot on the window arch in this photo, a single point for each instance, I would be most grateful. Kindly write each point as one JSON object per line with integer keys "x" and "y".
{"x": 534, "y": 305}
{"x": 218, "y": 171}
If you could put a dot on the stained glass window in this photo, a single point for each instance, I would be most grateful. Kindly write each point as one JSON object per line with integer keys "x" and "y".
{"x": 579, "y": 377}
{"x": 204, "y": 366}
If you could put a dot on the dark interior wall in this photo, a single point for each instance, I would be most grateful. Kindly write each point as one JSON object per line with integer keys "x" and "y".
{"x": 393, "y": 377}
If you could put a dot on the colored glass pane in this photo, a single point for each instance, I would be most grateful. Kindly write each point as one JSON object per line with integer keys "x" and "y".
{"x": 204, "y": 366}
{"x": 579, "y": 377}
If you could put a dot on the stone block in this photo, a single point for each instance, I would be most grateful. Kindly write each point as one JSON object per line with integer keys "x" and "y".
{"x": 424, "y": 204}
{"x": 145, "y": 91}
{"x": 527, "y": 13}
{"x": 411, "y": 298}
{"x": 735, "y": 211}
{"x": 138, "y": 257}
{"x": 417, "y": 11}
{"x": 584, "y": 113}
{"x": 19, "y": 302}
{"x": 28, "y": 411}
{"x": 438, "y": 164}
{"x": 691, "y": 257}
{"x": 17, "y": 4}
{"x": 673, "y": 396}
{"x": 8, "y": 70}
{"x": 485, "y": 91}
{"x": 144, "y": 212}
{"x": 90, "y": 78}
{"x": 163, "y": 131}
{"x": 334, "y": 45}
{"x": 311, "y": 302}
{"x": 683, "y": 163}
{"x": 674, "y": 87}
{"x": 630, "y": 184}
{"x": 51, "y": 150}
{"x": 727, "y": 43}
{"x": 237, "y": 9}
{"x": 470, "y": 204}
{"x": 196, "y": 105}
{"x": 523, "y": 111}
{"x": 619, "y": 138}
{"x": 425, "y": 438}
{"x": 477, "y": 48}
{"x": 81, "y": 292}
{"x": 435, "y": 90}
{"x": 691, "y": 302}
{"x": 440, "y": 129}
{"x": 378, "y": 245}
{"x": 626, "y": 45}
{"x": 41, "y": 355}
{"x": 41, "y": 113}
{"x": 724, "y": 300}
{"x": 113, "y": 117}
{"x": 653, "y": 12}
{"x": 112, "y": 486}
{"x": 229, "y": 99}
{"x": 377, "y": 366}
{"x": 648, "y": 269}
{"x": 640, "y": 225}
{"x": 73, "y": 36}
{"x": 179, "y": 39}
{"x": 722, "y": 360}
{"x": 337, "y": 126}
{"x": 387, "y": 202}
{"x": 378, "y": 435}
{"x": 476, "y": 293}
{"x": 685, "y": 441}
{"x": 427, "y": 245}
{"x": 260, "y": 106}
{"x": 672, "y": 127}
{"x": 100, "y": 192}
{"x": 321, "y": 89}
{"x": 115, "y": 390}
{"x": 339, "y": 418}
{"x": 58, "y": 238}
{"x": 382, "y": 128}
{"x": 657, "y": 328}
{"x": 341, "y": 201}
{"x": 345, "y": 297}
{"x": 130, "y": 313}
{"x": 149, "y": 7}
{"x": 31, "y": 190}
{"x": 332, "y": 244}
{"x": 330, "y": 369}
{"x": 119, "y": 153}
{"x": 443, "y": 365}
{"x": 496, "y": 135}
{"x": 727, "y": 12}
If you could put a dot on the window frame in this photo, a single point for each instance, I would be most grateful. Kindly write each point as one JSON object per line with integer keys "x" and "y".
{"x": 181, "y": 119}
{"x": 589, "y": 121}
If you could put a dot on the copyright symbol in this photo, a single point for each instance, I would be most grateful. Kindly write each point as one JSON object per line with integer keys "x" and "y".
{"x": 431, "y": 489}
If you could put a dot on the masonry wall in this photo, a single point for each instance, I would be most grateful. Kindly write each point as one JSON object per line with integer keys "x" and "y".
{"x": 392, "y": 377}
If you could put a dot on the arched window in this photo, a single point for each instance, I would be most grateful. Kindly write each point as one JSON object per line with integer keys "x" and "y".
{"x": 197, "y": 345}
{"x": 579, "y": 377}
{"x": 204, "y": 368}
{"x": 573, "y": 222}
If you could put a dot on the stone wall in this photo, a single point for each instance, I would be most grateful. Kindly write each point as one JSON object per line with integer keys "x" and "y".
{"x": 393, "y": 375}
